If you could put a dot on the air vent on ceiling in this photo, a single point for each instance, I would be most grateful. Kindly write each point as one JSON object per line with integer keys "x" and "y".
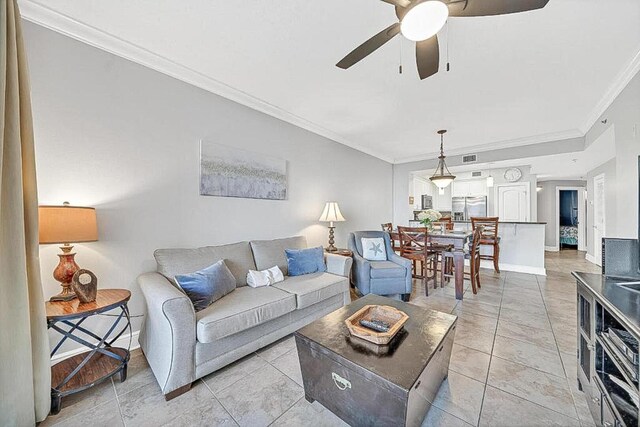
{"x": 469, "y": 158}
{"x": 476, "y": 174}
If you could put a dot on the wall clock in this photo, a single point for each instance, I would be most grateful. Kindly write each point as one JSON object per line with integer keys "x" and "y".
{"x": 512, "y": 174}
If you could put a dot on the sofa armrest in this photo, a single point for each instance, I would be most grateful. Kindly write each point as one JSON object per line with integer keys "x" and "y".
{"x": 338, "y": 264}
{"x": 361, "y": 273}
{"x": 168, "y": 334}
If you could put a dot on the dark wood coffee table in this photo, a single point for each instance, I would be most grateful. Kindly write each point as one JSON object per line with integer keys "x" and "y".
{"x": 366, "y": 384}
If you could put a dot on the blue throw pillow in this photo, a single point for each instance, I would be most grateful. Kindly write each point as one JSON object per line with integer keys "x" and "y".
{"x": 207, "y": 285}
{"x": 305, "y": 261}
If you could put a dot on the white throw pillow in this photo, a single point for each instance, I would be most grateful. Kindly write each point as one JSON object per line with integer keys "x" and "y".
{"x": 275, "y": 274}
{"x": 257, "y": 279}
{"x": 373, "y": 249}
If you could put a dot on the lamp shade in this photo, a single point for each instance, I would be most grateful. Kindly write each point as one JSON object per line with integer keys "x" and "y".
{"x": 331, "y": 213}
{"x": 67, "y": 224}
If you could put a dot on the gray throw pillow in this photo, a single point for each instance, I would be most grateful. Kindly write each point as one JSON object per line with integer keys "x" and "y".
{"x": 207, "y": 285}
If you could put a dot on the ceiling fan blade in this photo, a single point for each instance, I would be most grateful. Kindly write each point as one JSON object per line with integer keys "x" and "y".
{"x": 427, "y": 57}
{"x": 369, "y": 46}
{"x": 399, "y": 3}
{"x": 493, "y": 7}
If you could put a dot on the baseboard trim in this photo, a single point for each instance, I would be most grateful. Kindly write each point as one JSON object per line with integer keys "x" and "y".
{"x": 552, "y": 249}
{"x": 590, "y": 258}
{"x": 539, "y": 271}
{"x": 123, "y": 342}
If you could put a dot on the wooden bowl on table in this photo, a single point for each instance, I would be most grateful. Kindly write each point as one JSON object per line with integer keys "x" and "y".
{"x": 394, "y": 317}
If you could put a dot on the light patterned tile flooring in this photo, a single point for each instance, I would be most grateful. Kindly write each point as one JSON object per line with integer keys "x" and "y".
{"x": 513, "y": 364}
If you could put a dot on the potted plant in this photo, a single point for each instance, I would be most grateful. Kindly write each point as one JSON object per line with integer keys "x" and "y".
{"x": 428, "y": 217}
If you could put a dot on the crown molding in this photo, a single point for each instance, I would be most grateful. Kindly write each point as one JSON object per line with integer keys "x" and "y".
{"x": 619, "y": 83}
{"x": 63, "y": 24}
{"x": 511, "y": 143}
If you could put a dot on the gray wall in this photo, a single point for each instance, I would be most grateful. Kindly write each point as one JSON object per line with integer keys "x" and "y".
{"x": 547, "y": 206}
{"x": 621, "y": 176}
{"x": 125, "y": 139}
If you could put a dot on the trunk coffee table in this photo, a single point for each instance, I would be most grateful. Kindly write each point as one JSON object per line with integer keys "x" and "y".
{"x": 366, "y": 384}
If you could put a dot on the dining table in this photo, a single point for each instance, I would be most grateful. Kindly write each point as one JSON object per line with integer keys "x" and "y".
{"x": 457, "y": 239}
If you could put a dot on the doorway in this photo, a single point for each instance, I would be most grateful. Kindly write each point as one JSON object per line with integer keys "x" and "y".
{"x": 570, "y": 218}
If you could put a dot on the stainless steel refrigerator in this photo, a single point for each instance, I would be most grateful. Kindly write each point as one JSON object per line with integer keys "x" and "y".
{"x": 463, "y": 208}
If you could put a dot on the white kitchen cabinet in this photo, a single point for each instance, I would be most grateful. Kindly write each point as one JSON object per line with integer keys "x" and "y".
{"x": 476, "y": 187}
{"x": 442, "y": 202}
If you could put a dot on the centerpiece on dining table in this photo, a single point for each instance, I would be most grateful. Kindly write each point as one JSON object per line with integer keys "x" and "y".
{"x": 428, "y": 217}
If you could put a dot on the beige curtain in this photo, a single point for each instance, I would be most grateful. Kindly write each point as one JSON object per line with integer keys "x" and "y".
{"x": 24, "y": 346}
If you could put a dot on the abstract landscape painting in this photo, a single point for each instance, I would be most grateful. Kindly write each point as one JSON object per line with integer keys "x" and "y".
{"x": 231, "y": 172}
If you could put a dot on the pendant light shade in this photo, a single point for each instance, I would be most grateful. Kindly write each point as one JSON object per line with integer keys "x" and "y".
{"x": 442, "y": 177}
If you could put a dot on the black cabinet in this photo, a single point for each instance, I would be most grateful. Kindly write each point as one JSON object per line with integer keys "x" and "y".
{"x": 607, "y": 368}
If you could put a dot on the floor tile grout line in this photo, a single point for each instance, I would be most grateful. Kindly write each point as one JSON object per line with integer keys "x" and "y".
{"x": 285, "y": 411}
{"x": 115, "y": 392}
{"x": 566, "y": 377}
{"x": 219, "y": 401}
{"x": 484, "y": 391}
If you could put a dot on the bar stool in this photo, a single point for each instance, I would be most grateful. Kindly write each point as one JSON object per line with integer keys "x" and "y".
{"x": 414, "y": 245}
{"x": 473, "y": 255}
{"x": 489, "y": 238}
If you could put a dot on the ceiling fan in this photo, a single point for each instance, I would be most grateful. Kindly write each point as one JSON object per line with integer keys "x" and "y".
{"x": 420, "y": 21}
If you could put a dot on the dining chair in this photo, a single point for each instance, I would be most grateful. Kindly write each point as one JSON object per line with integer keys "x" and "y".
{"x": 414, "y": 246}
{"x": 489, "y": 238}
{"x": 395, "y": 244}
{"x": 445, "y": 223}
{"x": 472, "y": 254}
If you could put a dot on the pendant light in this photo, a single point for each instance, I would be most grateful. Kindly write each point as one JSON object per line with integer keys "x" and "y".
{"x": 442, "y": 177}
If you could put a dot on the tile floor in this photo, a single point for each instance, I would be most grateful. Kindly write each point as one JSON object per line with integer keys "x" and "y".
{"x": 513, "y": 364}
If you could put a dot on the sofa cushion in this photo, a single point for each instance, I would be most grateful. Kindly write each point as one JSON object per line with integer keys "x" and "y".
{"x": 242, "y": 309}
{"x": 268, "y": 253}
{"x": 312, "y": 288}
{"x": 386, "y": 269}
{"x": 236, "y": 256}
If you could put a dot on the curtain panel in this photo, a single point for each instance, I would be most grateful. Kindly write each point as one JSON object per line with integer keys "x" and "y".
{"x": 24, "y": 346}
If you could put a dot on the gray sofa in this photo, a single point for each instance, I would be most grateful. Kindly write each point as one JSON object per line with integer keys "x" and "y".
{"x": 182, "y": 345}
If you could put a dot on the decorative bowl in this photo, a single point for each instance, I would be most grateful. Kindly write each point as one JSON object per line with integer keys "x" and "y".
{"x": 394, "y": 317}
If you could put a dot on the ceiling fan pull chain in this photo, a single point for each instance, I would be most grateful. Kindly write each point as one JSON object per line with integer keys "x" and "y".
{"x": 400, "y": 66}
{"x": 448, "y": 68}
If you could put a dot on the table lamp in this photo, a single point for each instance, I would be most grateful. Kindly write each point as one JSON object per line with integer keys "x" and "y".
{"x": 66, "y": 224}
{"x": 331, "y": 214}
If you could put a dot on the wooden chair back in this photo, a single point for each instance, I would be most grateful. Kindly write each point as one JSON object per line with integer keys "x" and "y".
{"x": 474, "y": 249}
{"x": 445, "y": 223}
{"x": 387, "y": 226}
{"x": 489, "y": 226}
{"x": 413, "y": 242}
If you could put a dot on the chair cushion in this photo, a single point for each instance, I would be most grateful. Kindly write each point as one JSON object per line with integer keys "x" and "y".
{"x": 242, "y": 309}
{"x": 268, "y": 253}
{"x": 312, "y": 288}
{"x": 386, "y": 269}
{"x": 236, "y": 256}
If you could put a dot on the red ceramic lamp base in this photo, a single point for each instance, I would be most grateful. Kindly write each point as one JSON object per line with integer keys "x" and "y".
{"x": 64, "y": 272}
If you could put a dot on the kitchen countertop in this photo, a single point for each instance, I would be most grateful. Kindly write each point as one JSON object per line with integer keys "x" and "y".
{"x": 499, "y": 222}
{"x": 622, "y": 302}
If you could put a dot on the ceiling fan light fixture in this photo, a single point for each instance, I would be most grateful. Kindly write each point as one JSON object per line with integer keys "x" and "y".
{"x": 424, "y": 20}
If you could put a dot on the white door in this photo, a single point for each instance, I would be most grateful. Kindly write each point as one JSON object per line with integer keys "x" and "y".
{"x": 598, "y": 217}
{"x": 582, "y": 223}
{"x": 513, "y": 202}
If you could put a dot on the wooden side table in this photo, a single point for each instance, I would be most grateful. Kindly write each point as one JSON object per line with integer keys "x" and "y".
{"x": 101, "y": 361}
{"x": 342, "y": 252}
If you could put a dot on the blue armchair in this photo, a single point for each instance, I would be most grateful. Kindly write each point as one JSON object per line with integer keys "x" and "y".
{"x": 390, "y": 277}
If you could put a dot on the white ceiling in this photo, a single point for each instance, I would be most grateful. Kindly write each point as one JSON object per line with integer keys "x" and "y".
{"x": 514, "y": 79}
